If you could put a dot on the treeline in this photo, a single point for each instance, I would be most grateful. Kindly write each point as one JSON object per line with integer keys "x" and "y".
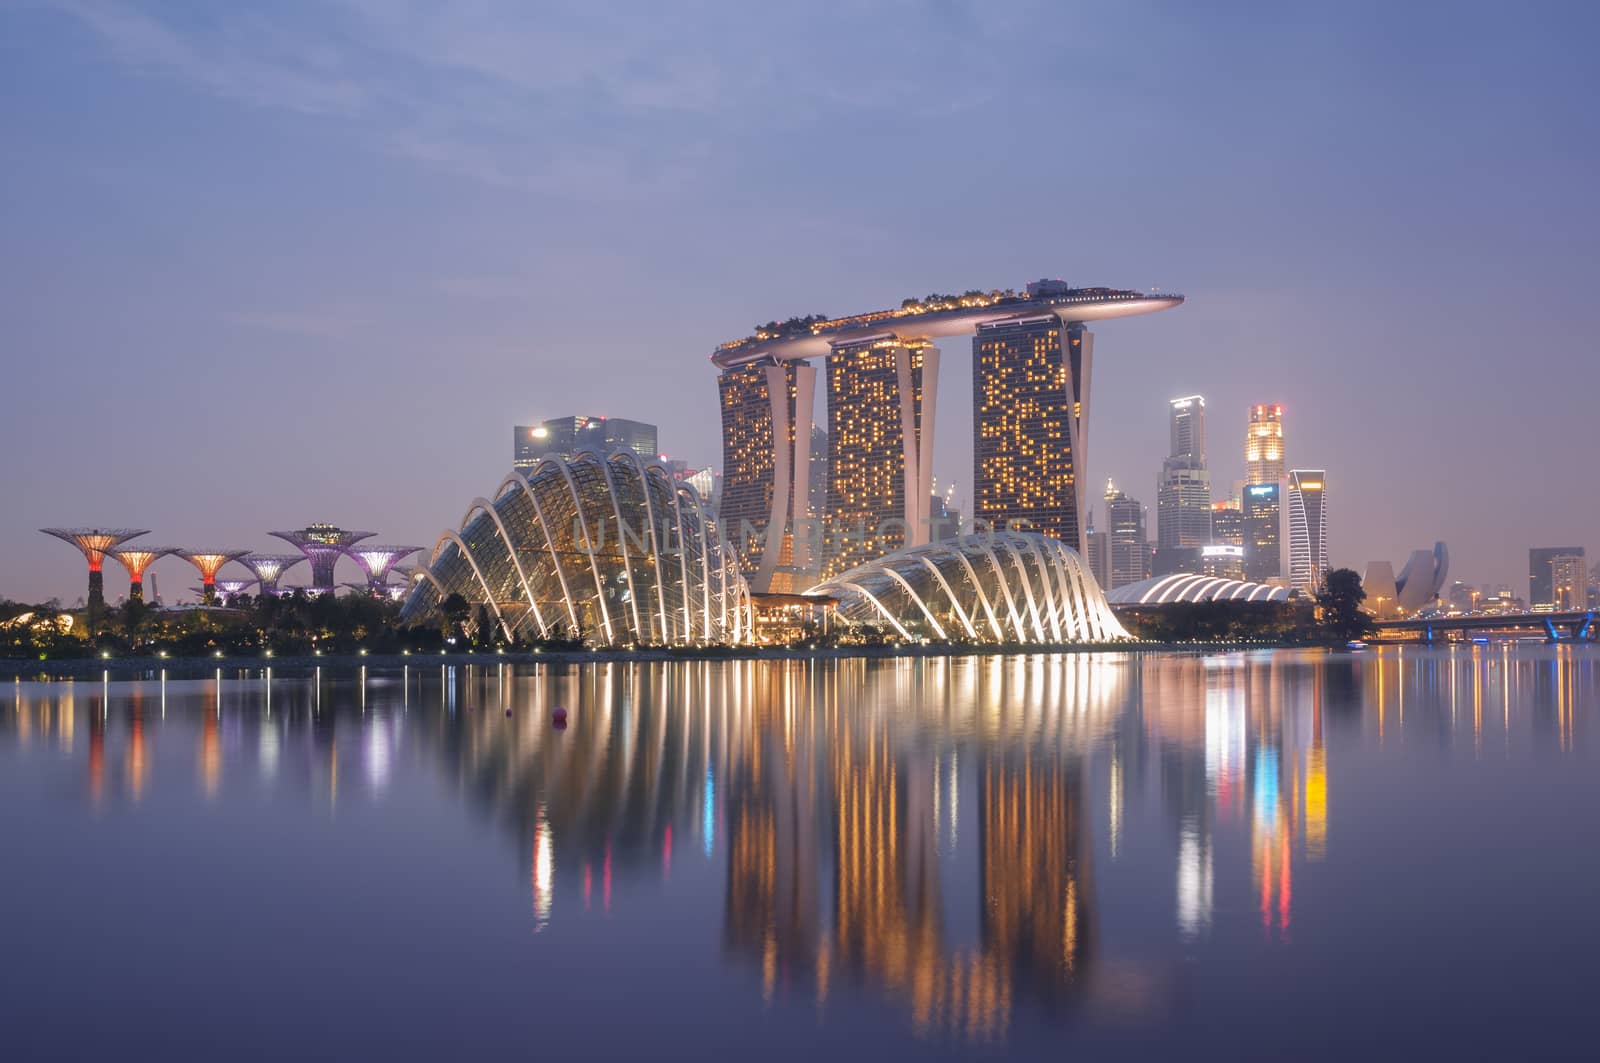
{"x": 296, "y": 624}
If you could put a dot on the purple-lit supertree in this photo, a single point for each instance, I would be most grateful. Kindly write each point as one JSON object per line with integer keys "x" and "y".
{"x": 208, "y": 562}
{"x": 136, "y": 559}
{"x": 95, "y": 543}
{"x": 322, "y": 544}
{"x": 232, "y": 588}
{"x": 268, "y": 567}
{"x": 377, "y": 561}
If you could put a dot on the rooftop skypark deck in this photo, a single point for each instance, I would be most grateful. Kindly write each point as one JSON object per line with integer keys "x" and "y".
{"x": 937, "y": 315}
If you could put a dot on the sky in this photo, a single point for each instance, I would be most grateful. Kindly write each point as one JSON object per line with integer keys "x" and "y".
{"x": 262, "y": 265}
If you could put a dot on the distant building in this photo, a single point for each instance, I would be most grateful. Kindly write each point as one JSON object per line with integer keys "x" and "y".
{"x": 1129, "y": 547}
{"x": 1541, "y": 574}
{"x": 1029, "y": 404}
{"x": 565, "y": 436}
{"x": 1222, "y": 561}
{"x": 817, "y": 495}
{"x": 1097, "y": 551}
{"x": 1308, "y": 529}
{"x": 1263, "y": 446}
{"x": 1463, "y": 598}
{"x": 1261, "y": 514}
{"x": 1569, "y": 583}
{"x": 1227, "y": 522}
{"x": 1183, "y": 496}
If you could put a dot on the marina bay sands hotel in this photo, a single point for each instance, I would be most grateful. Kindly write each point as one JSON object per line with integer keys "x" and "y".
{"x": 1032, "y": 355}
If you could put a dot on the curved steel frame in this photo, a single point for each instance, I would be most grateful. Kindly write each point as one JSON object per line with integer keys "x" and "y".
{"x": 1063, "y": 604}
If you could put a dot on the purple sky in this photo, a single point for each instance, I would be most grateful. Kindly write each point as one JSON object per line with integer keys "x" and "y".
{"x": 270, "y": 264}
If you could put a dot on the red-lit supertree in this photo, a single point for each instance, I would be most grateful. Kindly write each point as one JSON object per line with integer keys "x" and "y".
{"x": 208, "y": 562}
{"x": 136, "y": 559}
{"x": 95, "y": 543}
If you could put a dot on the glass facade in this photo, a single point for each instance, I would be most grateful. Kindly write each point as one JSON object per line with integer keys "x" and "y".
{"x": 612, "y": 550}
{"x": 1000, "y": 587}
{"x": 1028, "y": 396}
{"x": 879, "y": 449}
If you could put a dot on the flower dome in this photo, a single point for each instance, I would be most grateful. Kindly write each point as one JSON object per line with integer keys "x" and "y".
{"x": 614, "y": 550}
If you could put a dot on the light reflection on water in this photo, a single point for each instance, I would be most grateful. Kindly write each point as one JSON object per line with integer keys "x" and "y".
{"x": 1015, "y": 851}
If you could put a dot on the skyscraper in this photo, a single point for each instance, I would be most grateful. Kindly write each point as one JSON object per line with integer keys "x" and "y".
{"x": 1263, "y": 446}
{"x": 1308, "y": 529}
{"x": 1029, "y": 421}
{"x": 766, "y": 408}
{"x": 1129, "y": 548}
{"x": 1262, "y": 508}
{"x": 1550, "y": 569}
{"x": 1227, "y": 522}
{"x": 1183, "y": 497}
{"x": 566, "y": 436}
{"x": 881, "y": 396}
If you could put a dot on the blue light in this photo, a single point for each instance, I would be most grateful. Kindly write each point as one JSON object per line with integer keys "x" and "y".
{"x": 708, "y": 823}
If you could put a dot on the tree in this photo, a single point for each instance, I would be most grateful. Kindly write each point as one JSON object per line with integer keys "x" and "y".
{"x": 1339, "y": 605}
{"x": 454, "y": 610}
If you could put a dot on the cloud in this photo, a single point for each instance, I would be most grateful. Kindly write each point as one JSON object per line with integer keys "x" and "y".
{"x": 563, "y": 97}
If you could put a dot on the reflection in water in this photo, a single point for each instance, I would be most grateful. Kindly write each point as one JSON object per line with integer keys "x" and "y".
{"x": 925, "y": 831}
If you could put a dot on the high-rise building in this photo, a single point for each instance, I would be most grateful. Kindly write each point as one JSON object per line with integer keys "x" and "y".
{"x": 565, "y": 436}
{"x": 817, "y": 499}
{"x": 1262, "y": 513}
{"x": 1183, "y": 497}
{"x": 1263, "y": 446}
{"x": 1030, "y": 405}
{"x": 881, "y": 396}
{"x": 766, "y": 408}
{"x": 1129, "y": 548}
{"x": 1541, "y": 574}
{"x": 1097, "y": 551}
{"x": 1227, "y": 522}
{"x": 1308, "y": 529}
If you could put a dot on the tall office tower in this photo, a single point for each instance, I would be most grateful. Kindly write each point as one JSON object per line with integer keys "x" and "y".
{"x": 1183, "y": 497}
{"x": 1263, "y": 446}
{"x": 766, "y": 407}
{"x": 1227, "y": 522}
{"x": 1097, "y": 551}
{"x": 1186, "y": 427}
{"x": 1308, "y": 529}
{"x": 1541, "y": 574}
{"x": 881, "y": 398}
{"x": 566, "y": 436}
{"x": 1030, "y": 411}
{"x": 1262, "y": 513}
{"x": 1129, "y": 549}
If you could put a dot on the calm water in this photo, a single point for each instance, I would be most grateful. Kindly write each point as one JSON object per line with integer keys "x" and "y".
{"x": 1248, "y": 855}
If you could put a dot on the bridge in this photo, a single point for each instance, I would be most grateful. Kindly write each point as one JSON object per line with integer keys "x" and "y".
{"x": 1579, "y": 625}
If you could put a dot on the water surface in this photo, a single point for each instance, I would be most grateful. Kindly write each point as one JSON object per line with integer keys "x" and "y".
{"x": 1248, "y": 855}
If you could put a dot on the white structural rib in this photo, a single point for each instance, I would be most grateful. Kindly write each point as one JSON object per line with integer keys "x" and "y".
{"x": 949, "y": 593}
{"x": 488, "y": 596}
{"x": 511, "y": 549}
{"x": 550, "y": 544}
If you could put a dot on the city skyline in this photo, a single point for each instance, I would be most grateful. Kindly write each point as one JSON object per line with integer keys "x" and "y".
{"x": 372, "y": 234}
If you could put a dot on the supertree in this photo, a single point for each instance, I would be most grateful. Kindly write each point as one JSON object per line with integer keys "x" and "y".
{"x": 322, "y": 544}
{"x": 377, "y": 561}
{"x": 268, "y": 567}
{"x": 136, "y": 559}
{"x": 208, "y": 562}
{"x": 95, "y": 542}
{"x": 228, "y": 588}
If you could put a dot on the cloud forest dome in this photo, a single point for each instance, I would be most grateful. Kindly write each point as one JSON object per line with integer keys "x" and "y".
{"x": 937, "y": 315}
{"x": 613, "y": 548}
{"x": 999, "y": 587}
